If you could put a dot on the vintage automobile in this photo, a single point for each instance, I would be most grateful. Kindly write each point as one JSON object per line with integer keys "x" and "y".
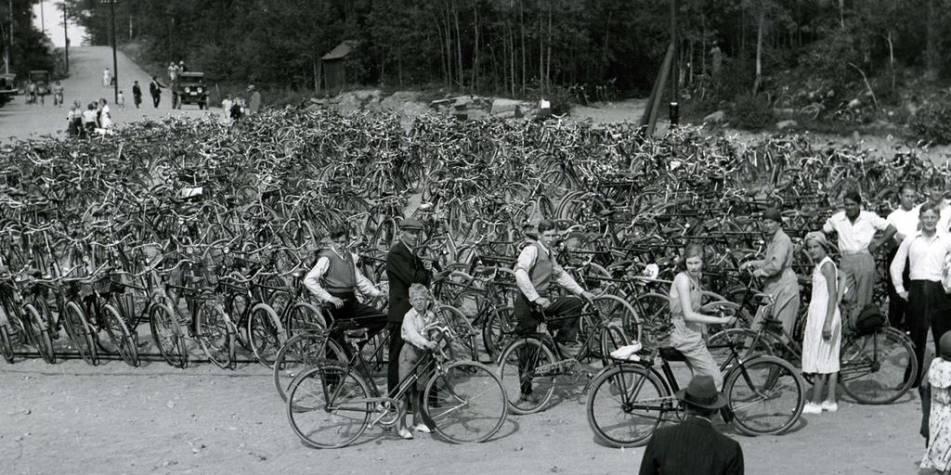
{"x": 42, "y": 79}
{"x": 191, "y": 89}
{"x": 8, "y": 88}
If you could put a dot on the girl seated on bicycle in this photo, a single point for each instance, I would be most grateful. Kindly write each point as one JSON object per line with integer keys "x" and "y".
{"x": 688, "y": 322}
{"x": 417, "y": 342}
{"x": 823, "y": 333}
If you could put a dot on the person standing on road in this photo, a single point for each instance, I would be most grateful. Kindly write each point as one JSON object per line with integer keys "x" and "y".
{"x": 75, "y": 120}
{"x": 136, "y": 94}
{"x": 335, "y": 280}
{"x": 106, "y": 78}
{"x": 856, "y": 230}
{"x": 90, "y": 119}
{"x": 31, "y": 88}
{"x": 120, "y": 100}
{"x": 155, "y": 89}
{"x": 403, "y": 269}
{"x": 822, "y": 336}
{"x": 105, "y": 115}
{"x": 925, "y": 253}
{"x": 254, "y": 101}
{"x": 905, "y": 221}
{"x": 694, "y": 446}
{"x": 779, "y": 279}
{"x": 58, "y": 94}
{"x": 172, "y": 72}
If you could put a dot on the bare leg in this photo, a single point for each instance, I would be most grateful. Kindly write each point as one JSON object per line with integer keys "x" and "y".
{"x": 833, "y": 378}
{"x": 817, "y": 388}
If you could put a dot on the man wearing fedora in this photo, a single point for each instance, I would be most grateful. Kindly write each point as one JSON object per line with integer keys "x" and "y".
{"x": 403, "y": 268}
{"x": 694, "y": 447}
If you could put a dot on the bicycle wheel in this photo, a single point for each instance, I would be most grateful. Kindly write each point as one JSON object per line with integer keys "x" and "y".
{"x": 651, "y": 308}
{"x": 877, "y": 368}
{"x": 747, "y": 343}
{"x": 616, "y": 311}
{"x": 625, "y": 405}
{"x": 123, "y": 343}
{"x": 464, "y": 343}
{"x": 766, "y": 395}
{"x": 304, "y": 318}
{"x": 300, "y": 353}
{"x": 168, "y": 335}
{"x": 266, "y": 333}
{"x": 469, "y": 401}
{"x": 337, "y": 410}
{"x": 39, "y": 333}
{"x": 528, "y": 374}
{"x": 216, "y": 334}
{"x": 498, "y": 330}
{"x": 6, "y": 345}
{"x": 79, "y": 332}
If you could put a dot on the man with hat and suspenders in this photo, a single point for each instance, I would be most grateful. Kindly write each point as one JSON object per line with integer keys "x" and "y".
{"x": 694, "y": 446}
{"x": 403, "y": 269}
{"x": 335, "y": 280}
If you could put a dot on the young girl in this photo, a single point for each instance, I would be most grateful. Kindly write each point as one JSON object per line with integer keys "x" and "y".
{"x": 415, "y": 344}
{"x": 823, "y": 333}
{"x": 938, "y": 453}
{"x": 687, "y": 335}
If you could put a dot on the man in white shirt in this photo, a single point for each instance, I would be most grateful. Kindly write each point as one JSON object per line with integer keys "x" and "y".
{"x": 928, "y": 305}
{"x": 905, "y": 221}
{"x": 936, "y": 196}
{"x": 335, "y": 280}
{"x": 856, "y": 230}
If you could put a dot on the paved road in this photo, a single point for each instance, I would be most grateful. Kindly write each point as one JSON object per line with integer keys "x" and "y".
{"x": 21, "y": 120}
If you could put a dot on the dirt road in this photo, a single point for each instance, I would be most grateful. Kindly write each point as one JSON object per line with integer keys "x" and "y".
{"x": 21, "y": 120}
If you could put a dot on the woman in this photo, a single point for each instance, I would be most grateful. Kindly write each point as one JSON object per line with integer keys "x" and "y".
{"x": 779, "y": 279}
{"x": 688, "y": 322}
{"x": 938, "y": 451}
{"x": 823, "y": 334}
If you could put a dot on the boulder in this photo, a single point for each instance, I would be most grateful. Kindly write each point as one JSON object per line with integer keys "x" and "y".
{"x": 500, "y": 106}
{"x": 786, "y": 124}
{"x": 365, "y": 95}
{"x": 395, "y": 101}
{"x": 715, "y": 117}
{"x": 348, "y": 104}
{"x": 855, "y": 104}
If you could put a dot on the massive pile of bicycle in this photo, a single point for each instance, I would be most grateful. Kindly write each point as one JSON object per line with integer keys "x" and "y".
{"x": 181, "y": 235}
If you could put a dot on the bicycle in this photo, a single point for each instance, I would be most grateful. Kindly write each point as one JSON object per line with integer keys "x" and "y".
{"x": 536, "y": 362}
{"x": 333, "y": 404}
{"x": 629, "y": 400}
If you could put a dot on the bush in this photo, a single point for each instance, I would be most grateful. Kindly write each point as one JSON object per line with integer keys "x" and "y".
{"x": 932, "y": 122}
{"x": 752, "y": 112}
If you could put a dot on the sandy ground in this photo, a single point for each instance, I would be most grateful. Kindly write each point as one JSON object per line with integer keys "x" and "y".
{"x": 74, "y": 418}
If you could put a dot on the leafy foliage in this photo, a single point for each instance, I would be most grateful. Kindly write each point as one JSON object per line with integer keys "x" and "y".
{"x": 752, "y": 112}
{"x": 933, "y": 121}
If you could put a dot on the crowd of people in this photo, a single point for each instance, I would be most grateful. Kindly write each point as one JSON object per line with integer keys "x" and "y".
{"x": 97, "y": 116}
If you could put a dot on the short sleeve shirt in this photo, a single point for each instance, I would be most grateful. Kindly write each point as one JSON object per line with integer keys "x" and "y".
{"x": 855, "y": 237}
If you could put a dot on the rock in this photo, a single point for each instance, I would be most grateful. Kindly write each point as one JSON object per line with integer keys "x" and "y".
{"x": 784, "y": 111}
{"x": 477, "y": 114}
{"x": 348, "y": 104}
{"x": 395, "y": 101}
{"x": 365, "y": 95}
{"x": 715, "y": 117}
{"x": 855, "y": 104}
{"x": 504, "y": 105}
{"x": 786, "y": 124}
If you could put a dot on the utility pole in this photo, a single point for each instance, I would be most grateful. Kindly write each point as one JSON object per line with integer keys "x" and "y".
{"x": 10, "y": 49}
{"x": 675, "y": 66}
{"x": 42, "y": 19}
{"x": 115, "y": 63}
{"x": 66, "y": 34}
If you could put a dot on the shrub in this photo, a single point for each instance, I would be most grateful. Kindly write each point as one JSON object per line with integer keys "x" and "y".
{"x": 932, "y": 122}
{"x": 752, "y": 112}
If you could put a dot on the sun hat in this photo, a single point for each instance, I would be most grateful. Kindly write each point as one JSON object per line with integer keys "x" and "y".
{"x": 702, "y": 393}
{"x": 411, "y": 224}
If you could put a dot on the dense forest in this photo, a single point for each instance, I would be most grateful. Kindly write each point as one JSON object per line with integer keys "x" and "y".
{"x": 30, "y": 49}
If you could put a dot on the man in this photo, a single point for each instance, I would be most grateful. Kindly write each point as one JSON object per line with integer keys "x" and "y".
{"x": 403, "y": 268}
{"x": 136, "y": 94}
{"x": 335, "y": 280}
{"x": 155, "y": 89}
{"x": 936, "y": 195}
{"x": 535, "y": 270}
{"x": 925, "y": 253}
{"x": 694, "y": 446}
{"x": 254, "y": 101}
{"x": 905, "y": 221}
{"x": 779, "y": 279}
{"x": 856, "y": 230}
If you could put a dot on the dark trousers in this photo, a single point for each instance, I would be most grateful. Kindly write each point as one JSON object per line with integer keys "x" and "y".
{"x": 155, "y": 100}
{"x": 393, "y": 359}
{"x": 562, "y": 315}
{"x": 354, "y": 314}
{"x": 927, "y": 308}
{"x": 897, "y": 307}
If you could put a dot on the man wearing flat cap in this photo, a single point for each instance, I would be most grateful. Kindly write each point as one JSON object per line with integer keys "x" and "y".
{"x": 779, "y": 279}
{"x": 694, "y": 447}
{"x": 403, "y": 268}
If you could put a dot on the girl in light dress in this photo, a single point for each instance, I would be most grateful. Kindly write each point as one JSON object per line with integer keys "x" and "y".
{"x": 937, "y": 455}
{"x": 822, "y": 337}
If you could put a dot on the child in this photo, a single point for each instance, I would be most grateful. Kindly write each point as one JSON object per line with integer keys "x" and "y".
{"x": 415, "y": 344}
{"x": 938, "y": 453}
{"x": 120, "y": 101}
{"x": 823, "y": 333}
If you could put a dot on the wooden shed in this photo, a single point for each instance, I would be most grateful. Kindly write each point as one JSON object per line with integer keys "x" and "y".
{"x": 336, "y": 66}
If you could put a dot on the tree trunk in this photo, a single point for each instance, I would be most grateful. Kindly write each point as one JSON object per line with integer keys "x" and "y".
{"x": 891, "y": 58}
{"x": 459, "y": 73}
{"x": 475, "y": 48}
{"x": 521, "y": 23}
{"x": 933, "y": 41}
{"x": 548, "y": 65}
{"x": 842, "y": 14}
{"x": 541, "y": 55}
{"x": 761, "y": 24}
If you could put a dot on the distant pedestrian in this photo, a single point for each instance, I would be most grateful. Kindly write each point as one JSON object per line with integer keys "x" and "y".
{"x": 155, "y": 89}
{"x": 136, "y": 94}
{"x": 226, "y": 106}
{"x": 237, "y": 109}
{"x": 106, "y": 78}
{"x": 31, "y": 88}
{"x": 120, "y": 100}
{"x": 105, "y": 115}
{"x": 172, "y": 72}
{"x": 74, "y": 120}
{"x": 181, "y": 66}
{"x": 254, "y": 101}
{"x": 89, "y": 118}
{"x": 58, "y": 94}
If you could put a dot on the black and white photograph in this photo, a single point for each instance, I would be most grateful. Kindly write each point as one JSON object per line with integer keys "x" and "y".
{"x": 654, "y": 237}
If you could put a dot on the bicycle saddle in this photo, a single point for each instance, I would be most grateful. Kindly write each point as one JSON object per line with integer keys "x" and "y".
{"x": 669, "y": 353}
{"x": 356, "y": 334}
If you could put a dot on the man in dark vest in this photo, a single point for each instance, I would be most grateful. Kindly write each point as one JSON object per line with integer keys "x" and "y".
{"x": 403, "y": 268}
{"x": 535, "y": 270}
{"x": 694, "y": 446}
{"x": 335, "y": 280}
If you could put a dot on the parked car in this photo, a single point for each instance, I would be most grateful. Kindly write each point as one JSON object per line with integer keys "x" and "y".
{"x": 191, "y": 89}
{"x": 42, "y": 79}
